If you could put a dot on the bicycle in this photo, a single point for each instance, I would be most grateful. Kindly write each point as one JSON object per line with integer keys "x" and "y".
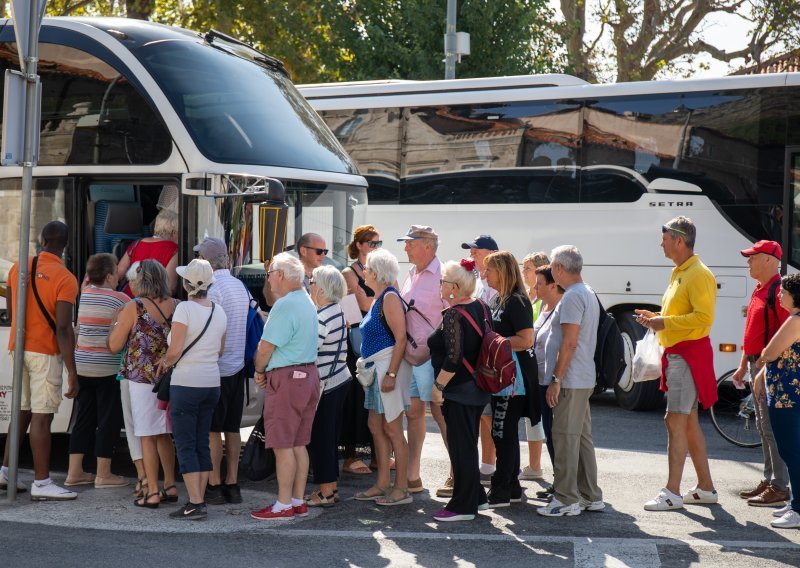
{"x": 734, "y": 413}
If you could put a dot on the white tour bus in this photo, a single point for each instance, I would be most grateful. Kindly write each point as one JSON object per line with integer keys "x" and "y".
{"x": 548, "y": 160}
{"x": 134, "y": 114}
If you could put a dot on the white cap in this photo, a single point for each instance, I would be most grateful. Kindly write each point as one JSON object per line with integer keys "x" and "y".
{"x": 198, "y": 273}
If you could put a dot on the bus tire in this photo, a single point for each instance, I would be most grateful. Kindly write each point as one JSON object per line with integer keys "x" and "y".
{"x": 632, "y": 395}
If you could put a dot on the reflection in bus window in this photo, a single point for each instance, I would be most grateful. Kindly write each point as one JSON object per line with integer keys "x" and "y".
{"x": 91, "y": 114}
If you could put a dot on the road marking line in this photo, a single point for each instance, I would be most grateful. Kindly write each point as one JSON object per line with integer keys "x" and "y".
{"x": 617, "y": 555}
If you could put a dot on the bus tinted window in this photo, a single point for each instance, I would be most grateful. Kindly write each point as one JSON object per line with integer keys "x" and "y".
{"x": 609, "y": 187}
{"x": 240, "y": 112}
{"x": 91, "y": 114}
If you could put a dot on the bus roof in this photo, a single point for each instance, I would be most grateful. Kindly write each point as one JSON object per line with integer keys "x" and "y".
{"x": 368, "y": 94}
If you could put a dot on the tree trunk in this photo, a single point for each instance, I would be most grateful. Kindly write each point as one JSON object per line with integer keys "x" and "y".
{"x": 138, "y": 9}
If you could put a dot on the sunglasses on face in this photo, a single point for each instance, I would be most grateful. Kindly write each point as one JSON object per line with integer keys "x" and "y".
{"x": 320, "y": 252}
{"x": 374, "y": 244}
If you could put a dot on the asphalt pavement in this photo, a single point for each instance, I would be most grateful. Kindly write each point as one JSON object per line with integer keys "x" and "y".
{"x": 103, "y": 528}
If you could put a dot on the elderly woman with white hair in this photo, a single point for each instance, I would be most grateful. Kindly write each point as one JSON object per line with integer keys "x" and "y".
{"x": 388, "y": 376}
{"x": 196, "y": 342}
{"x": 327, "y": 287}
{"x": 162, "y": 246}
{"x": 286, "y": 369}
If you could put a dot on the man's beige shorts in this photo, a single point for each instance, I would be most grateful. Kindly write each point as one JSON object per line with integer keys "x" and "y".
{"x": 681, "y": 390}
{"x": 41, "y": 382}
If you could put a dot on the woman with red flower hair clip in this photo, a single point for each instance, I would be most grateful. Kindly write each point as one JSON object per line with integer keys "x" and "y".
{"x": 455, "y": 389}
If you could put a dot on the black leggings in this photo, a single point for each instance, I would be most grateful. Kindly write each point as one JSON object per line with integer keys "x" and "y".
{"x": 322, "y": 449}
{"x": 506, "y": 413}
{"x": 99, "y": 416}
{"x": 462, "y": 444}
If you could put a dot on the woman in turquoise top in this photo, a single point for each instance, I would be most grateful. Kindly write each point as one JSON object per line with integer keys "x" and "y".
{"x": 779, "y": 381}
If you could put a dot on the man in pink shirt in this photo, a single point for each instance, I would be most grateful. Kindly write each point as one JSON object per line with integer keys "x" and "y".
{"x": 422, "y": 288}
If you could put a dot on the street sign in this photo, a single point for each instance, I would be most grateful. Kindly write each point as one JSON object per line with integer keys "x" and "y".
{"x": 14, "y": 119}
{"x": 21, "y": 16}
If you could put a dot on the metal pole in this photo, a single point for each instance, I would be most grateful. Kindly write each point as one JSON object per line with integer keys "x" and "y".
{"x": 24, "y": 238}
{"x": 450, "y": 42}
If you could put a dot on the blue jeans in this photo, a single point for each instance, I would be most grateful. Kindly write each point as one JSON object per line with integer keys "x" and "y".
{"x": 191, "y": 410}
{"x": 786, "y": 428}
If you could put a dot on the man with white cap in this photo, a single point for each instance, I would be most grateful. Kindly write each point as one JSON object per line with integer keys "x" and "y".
{"x": 232, "y": 296}
{"x": 764, "y": 316}
{"x": 421, "y": 289}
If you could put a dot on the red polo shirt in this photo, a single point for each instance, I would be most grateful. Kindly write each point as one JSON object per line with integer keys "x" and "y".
{"x": 754, "y": 340}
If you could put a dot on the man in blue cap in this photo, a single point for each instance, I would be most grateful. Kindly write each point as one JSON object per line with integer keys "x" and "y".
{"x": 481, "y": 247}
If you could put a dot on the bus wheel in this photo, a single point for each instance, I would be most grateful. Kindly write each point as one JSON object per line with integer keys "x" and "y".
{"x": 632, "y": 395}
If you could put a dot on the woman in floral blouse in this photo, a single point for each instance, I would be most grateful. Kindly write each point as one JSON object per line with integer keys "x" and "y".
{"x": 779, "y": 381}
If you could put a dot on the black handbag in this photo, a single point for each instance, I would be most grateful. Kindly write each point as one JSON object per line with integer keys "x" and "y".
{"x": 258, "y": 461}
{"x": 162, "y": 384}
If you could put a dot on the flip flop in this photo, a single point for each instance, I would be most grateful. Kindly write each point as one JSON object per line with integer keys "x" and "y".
{"x": 387, "y": 501}
{"x": 357, "y": 467}
{"x": 362, "y": 495}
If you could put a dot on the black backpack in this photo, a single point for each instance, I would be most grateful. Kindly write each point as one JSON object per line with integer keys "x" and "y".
{"x": 609, "y": 354}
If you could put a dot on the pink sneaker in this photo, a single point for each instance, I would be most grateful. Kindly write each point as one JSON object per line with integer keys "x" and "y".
{"x": 445, "y": 516}
{"x": 301, "y": 510}
{"x": 267, "y": 514}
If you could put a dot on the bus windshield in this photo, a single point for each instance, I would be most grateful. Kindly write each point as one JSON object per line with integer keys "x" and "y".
{"x": 239, "y": 111}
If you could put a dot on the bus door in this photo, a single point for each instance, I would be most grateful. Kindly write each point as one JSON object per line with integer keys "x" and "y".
{"x": 790, "y": 224}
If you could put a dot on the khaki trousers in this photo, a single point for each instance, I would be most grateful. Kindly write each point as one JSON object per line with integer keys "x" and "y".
{"x": 575, "y": 467}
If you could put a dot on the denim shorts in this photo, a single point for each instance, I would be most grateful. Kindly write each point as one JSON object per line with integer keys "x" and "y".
{"x": 422, "y": 378}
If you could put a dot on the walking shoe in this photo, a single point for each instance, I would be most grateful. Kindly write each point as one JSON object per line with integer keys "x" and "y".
{"x": 497, "y": 499}
{"x": 516, "y": 495}
{"x": 556, "y": 508}
{"x": 757, "y": 490}
{"x": 191, "y": 512}
{"x": 782, "y": 511}
{"x": 529, "y": 474}
{"x": 267, "y": 514}
{"x": 446, "y": 516}
{"x": 699, "y": 496}
{"x": 789, "y": 520}
{"x": 300, "y": 510}
{"x": 232, "y": 493}
{"x": 483, "y": 506}
{"x": 51, "y": 492}
{"x": 666, "y": 500}
{"x": 546, "y": 493}
{"x": 587, "y": 505}
{"x": 213, "y": 495}
{"x": 486, "y": 479}
{"x": 4, "y": 483}
{"x": 446, "y": 490}
{"x": 770, "y": 497}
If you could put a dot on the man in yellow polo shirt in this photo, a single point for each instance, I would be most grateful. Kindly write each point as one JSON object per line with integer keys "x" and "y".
{"x": 688, "y": 364}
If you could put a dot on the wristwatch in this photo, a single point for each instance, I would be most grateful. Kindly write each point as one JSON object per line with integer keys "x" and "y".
{"x": 439, "y": 386}
{"x": 556, "y": 380}
{"x": 390, "y": 374}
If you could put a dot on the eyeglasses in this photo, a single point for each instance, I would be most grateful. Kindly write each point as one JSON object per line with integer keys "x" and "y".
{"x": 311, "y": 281}
{"x": 275, "y": 270}
{"x": 320, "y": 252}
{"x": 374, "y": 244}
{"x": 666, "y": 228}
{"x": 442, "y": 281}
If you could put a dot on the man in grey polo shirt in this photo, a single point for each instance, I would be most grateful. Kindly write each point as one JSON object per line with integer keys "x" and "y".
{"x": 232, "y": 296}
{"x": 570, "y": 373}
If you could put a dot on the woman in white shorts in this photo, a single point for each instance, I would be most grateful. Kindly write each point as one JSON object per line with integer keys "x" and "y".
{"x": 143, "y": 326}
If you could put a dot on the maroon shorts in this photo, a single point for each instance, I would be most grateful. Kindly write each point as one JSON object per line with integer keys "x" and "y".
{"x": 290, "y": 402}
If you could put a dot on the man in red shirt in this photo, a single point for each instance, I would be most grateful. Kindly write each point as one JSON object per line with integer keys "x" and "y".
{"x": 49, "y": 345}
{"x": 764, "y": 316}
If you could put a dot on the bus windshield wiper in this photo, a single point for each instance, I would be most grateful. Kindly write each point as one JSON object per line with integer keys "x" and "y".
{"x": 215, "y": 36}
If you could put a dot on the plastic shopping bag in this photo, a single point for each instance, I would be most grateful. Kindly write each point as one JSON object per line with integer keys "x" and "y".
{"x": 647, "y": 359}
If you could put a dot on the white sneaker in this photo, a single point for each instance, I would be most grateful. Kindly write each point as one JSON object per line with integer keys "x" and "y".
{"x": 556, "y": 508}
{"x": 587, "y": 505}
{"x": 529, "y": 474}
{"x": 666, "y": 500}
{"x": 21, "y": 488}
{"x": 782, "y": 511}
{"x": 698, "y": 496}
{"x": 789, "y": 520}
{"x": 51, "y": 492}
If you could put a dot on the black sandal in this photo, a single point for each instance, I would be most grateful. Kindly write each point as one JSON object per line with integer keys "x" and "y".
{"x": 145, "y": 503}
{"x": 166, "y": 497}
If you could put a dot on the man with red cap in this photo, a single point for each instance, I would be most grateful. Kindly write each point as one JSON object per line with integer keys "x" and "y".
{"x": 764, "y": 316}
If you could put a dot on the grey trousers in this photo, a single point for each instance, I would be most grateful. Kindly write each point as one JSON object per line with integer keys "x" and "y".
{"x": 575, "y": 467}
{"x": 774, "y": 468}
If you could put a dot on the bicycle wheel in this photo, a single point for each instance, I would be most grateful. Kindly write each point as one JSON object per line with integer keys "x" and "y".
{"x": 733, "y": 415}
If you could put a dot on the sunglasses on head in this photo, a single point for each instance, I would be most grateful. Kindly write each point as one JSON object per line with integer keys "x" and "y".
{"x": 666, "y": 228}
{"x": 321, "y": 252}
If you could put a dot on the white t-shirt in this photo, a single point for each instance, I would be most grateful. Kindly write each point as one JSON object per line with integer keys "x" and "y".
{"x": 199, "y": 367}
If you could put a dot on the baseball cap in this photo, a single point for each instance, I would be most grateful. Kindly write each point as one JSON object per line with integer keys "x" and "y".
{"x": 419, "y": 232}
{"x": 481, "y": 242}
{"x": 767, "y": 247}
{"x": 212, "y": 248}
{"x": 198, "y": 273}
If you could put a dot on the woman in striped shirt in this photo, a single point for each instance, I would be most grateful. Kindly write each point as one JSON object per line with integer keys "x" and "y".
{"x": 99, "y": 415}
{"x": 328, "y": 286}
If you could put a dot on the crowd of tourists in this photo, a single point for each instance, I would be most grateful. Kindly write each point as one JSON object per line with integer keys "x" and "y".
{"x": 337, "y": 391}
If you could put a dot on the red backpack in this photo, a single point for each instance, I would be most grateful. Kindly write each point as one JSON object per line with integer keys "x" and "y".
{"x": 496, "y": 368}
